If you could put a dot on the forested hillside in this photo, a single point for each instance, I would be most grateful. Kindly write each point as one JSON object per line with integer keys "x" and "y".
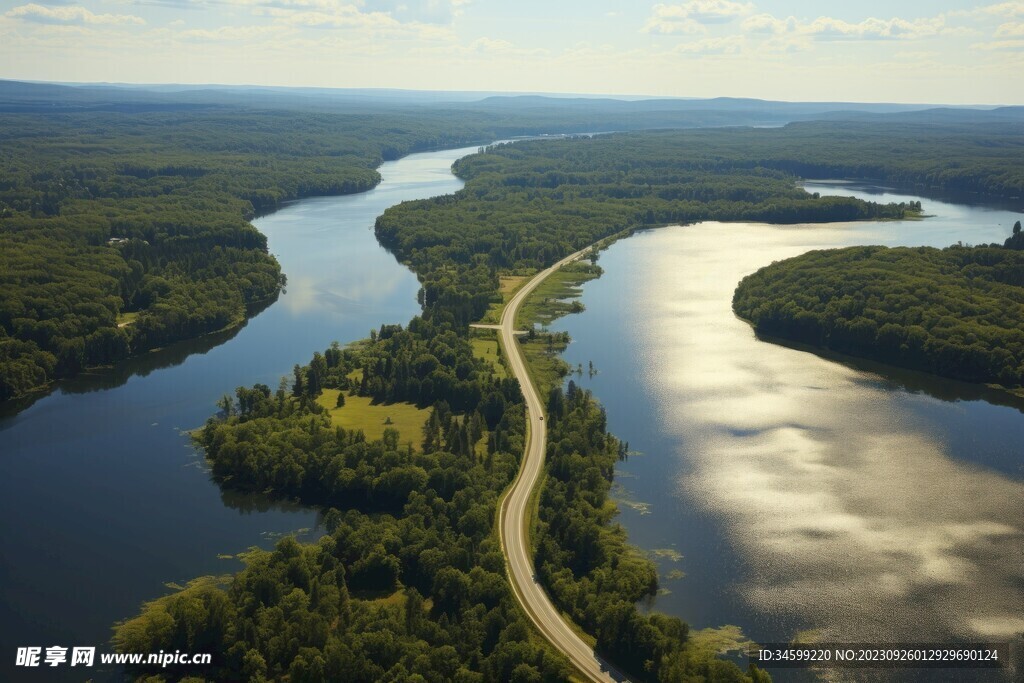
{"x": 954, "y": 312}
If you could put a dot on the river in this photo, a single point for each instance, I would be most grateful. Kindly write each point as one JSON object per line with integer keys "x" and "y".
{"x": 103, "y": 499}
{"x": 783, "y": 492}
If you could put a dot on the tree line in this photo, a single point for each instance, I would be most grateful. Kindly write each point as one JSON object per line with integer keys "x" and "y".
{"x": 954, "y": 312}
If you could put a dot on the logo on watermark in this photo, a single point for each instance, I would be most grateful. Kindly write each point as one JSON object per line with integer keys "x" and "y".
{"x": 57, "y": 655}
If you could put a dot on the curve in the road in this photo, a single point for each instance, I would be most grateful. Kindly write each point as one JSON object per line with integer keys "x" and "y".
{"x": 514, "y": 511}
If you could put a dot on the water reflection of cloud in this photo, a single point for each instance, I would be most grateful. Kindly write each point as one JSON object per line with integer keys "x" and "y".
{"x": 340, "y": 293}
{"x": 852, "y": 517}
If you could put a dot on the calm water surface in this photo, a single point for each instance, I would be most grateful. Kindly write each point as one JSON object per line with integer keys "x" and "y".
{"x": 102, "y": 498}
{"x": 794, "y": 492}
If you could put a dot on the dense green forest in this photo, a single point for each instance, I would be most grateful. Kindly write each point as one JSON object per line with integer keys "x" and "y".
{"x": 527, "y": 204}
{"x": 410, "y": 579}
{"x": 954, "y": 312}
{"x": 103, "y": 215}
{"x": 409, "y": 583}
{"x": 953, "y": 157}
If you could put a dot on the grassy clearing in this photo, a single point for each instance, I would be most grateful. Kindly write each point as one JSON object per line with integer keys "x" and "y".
{"x": 485, "y": 347}
{"x": 544, "y": 362}
{"x": 509, "y": 285}
{"x": 359, "y": 413}
{"x": 125, "y": 319}
{"x": 396, "y": 599}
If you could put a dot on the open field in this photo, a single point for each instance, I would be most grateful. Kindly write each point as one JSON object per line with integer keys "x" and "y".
{"x": 486, "y": 349}
{"x": 359, "y": 413}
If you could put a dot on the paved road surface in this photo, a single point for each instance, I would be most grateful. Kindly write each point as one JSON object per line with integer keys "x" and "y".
{"x": 515, "y": 512}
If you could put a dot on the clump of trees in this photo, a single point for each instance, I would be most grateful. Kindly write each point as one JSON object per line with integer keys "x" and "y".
{"x": 954, "y": 312}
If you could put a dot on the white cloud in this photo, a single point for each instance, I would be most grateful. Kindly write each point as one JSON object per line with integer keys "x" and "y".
{"x": 490, "y": 45}
{"x": 424, "y": 11}
{"x": 875, "y": 29}
{"x": 343, "y": 17}
{"x": 1003, "y": 9}
{"x": 69, "y": 15}
{"x": 829, "y": 28}
{"x": 766, "y": 23}
{"x": 1010, "y": 30}
{"x": 691, "y": 17}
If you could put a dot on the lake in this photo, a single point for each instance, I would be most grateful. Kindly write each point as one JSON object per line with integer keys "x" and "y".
{"x": 784, "y": 492}
{"x": 103, "y": 498}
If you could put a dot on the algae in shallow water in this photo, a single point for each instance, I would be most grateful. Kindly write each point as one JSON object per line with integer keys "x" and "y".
{"x": 719, "y": 641}
{"x": 667, "y": 554}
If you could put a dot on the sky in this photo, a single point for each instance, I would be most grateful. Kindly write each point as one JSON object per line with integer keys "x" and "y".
{"x": 940, "y": 51}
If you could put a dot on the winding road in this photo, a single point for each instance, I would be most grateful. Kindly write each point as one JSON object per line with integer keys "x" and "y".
{"x": 514, "y": 513}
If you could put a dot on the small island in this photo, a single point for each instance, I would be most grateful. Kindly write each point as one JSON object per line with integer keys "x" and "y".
{"x": 955, "y": 312}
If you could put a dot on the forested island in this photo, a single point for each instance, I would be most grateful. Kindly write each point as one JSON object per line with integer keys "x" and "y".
{"x": 954, "y": 312}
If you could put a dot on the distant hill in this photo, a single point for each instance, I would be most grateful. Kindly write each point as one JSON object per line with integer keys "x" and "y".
{"x": 588, "y": 113}
{"x": 937, "y": 115}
